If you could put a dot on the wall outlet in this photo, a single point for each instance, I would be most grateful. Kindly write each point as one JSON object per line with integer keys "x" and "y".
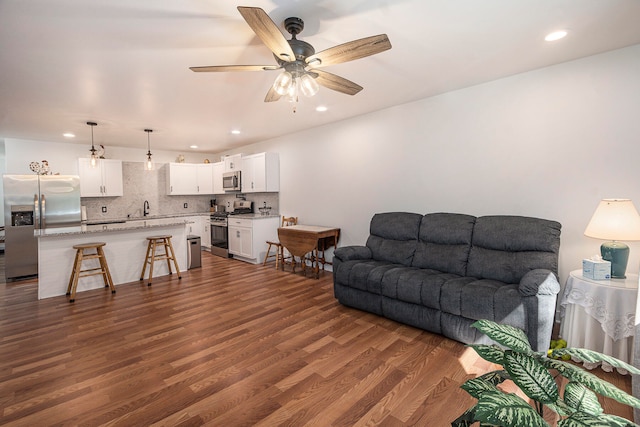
{"x": 104, "y": 209}
{"x": 186, "y": 205}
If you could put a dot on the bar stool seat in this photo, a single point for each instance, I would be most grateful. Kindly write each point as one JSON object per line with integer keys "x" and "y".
{"x": 77, "y": 272}
{"x": 152, "y": 256}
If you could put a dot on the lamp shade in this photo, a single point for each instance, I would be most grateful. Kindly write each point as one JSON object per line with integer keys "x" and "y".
{"x": 614, "y": 219}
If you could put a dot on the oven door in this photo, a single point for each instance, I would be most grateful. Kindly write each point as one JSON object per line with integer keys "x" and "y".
{"x": 219, "y": 239}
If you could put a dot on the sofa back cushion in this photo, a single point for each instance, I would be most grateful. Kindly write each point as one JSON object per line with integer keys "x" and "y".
{"x": 444, "y": 242}
{"x": 505, "y": 248}
{"x": 393, "y": 236}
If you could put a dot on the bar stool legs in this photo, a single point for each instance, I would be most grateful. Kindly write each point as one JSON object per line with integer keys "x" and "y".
{"x": 77, "y": 272}
{"x": 152, "y": 256}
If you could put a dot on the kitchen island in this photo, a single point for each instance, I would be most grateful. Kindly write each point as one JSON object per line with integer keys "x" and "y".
{"x": 125, "y": 250}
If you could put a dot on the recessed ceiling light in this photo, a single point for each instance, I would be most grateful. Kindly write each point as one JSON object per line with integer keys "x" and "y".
{"x": 556, "y": 35}
{"x": 193, "y": 146}
{"x": 68, "y": 135}
{"x": 235, "y": 132}
{"x": 321, "y": 108}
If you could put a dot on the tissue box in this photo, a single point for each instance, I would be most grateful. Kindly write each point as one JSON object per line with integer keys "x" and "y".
{"x": 596, "y": 269}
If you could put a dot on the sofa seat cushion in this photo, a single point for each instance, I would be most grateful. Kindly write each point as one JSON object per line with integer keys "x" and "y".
{"x": 363, "y": 275}
{"x": 415, "y": 285}
{"x": 477, "y": 299}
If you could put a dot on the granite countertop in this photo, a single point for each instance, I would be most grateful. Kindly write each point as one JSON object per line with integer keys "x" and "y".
{"x": 255, "y": 216}
{"x": 99, "y": 221}
{"x": 135, "y": 224}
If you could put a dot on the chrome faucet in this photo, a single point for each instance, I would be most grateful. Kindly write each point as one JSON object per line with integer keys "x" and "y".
{"x": 146, "y": 208}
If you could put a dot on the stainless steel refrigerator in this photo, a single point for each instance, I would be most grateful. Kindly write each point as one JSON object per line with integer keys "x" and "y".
{"x": 33, "y": 202}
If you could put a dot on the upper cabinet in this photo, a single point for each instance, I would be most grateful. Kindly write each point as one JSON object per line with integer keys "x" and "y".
{"x": 204, "y": 178}
{"x": 218, "y": 170}
{"x": 103, "y": 180}
{"x": 233, "y": 163}
{"x": 260, "y": 173}
{"x": 189, "y": 178}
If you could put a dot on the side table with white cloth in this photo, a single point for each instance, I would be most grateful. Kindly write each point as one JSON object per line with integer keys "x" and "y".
{"x": 599, "y": 315}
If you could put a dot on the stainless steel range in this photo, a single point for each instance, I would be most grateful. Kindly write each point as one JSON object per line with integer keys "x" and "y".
{"x": 219, "y": 234}
{"x": 219, "y": 227}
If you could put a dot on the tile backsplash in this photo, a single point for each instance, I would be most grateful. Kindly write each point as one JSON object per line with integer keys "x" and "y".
{"x": 140, "y": 185}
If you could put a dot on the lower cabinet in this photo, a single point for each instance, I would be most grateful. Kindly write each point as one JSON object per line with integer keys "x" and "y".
{"x": 199, "y": 226}
{"x": 247, "y": 237}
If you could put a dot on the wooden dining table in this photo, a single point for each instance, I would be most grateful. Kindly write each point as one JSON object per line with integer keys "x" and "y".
{"x": 302, "y": 240}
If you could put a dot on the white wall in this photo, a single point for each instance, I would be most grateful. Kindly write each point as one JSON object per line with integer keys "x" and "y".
{"x": 549, "y": 143}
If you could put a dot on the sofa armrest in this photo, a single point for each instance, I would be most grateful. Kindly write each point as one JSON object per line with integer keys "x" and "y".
{"x": 539, "y": 282}
{"x": 349, "y": 253}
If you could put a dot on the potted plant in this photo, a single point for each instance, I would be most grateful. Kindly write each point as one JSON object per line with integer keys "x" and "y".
{"x": 533, "y": 373}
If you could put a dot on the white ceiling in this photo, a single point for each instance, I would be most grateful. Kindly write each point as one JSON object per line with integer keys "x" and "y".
{"x": 124, "y": 63}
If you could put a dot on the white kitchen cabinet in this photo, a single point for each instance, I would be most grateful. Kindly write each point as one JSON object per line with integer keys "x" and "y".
{"x": 189, "y": 178}
{"x": 181, "y": 179}
{"x": 204, "y": 178}
{"x": 260, "y": 173}
{"x": 247, "y": 237}
{"x": 199, "y": 226}
{"x": 205, "y": 239}
{"x": 241, "y": 238}
{"x": 103, "y": 180}
{"x": 233, "y": 163}
{"x": 218, "y": 170}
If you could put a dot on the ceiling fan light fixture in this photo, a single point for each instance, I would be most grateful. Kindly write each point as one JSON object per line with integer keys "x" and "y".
{"x": 308, "y": 85}
{"x": 283, "y": 83}
{"x": 292, "y": 92}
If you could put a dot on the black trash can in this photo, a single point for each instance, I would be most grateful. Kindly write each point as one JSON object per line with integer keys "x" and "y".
{"x": 194, "y": 254}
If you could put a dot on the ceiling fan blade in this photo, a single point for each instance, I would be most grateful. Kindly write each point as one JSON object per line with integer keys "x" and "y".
{"x": 268, "y": 32}
{"x": 217, "y": 68}
{"x": 349, "y": 51}
{"x": 337, "y": 83}
{"x": 272, "y": 95}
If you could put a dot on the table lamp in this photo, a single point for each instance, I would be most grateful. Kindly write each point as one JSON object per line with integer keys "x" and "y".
{"x": 615, "y": 220}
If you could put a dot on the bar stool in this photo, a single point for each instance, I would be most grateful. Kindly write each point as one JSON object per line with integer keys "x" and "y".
{"x": 152, "y": 256}
{"x": 77, "y": 272}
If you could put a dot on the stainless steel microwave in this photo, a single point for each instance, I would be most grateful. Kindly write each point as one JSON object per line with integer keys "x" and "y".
{"x": 231, "y": 181}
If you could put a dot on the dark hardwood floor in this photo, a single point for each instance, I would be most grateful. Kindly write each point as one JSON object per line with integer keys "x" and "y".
{"x": 231, "y": 344}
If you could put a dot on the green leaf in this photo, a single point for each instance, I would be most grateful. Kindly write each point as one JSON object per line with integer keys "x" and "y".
{"x": 507, "y": 410}
{"x": 617, "y": 421}
{"x": 466, "y": 419}
{"x": 505, "y": 335}
{"x": 593, "y": 357}
{"x": 575, "y": 373}
{"x": 580, "y": 398}
{"x": 476, "y": 386}
{"x": 491, "y": 353}
{"x": 580, "y": 419}
{"x": 531, "y": 376}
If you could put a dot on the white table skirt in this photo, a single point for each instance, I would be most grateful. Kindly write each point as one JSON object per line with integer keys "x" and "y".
{"x": 600, "y": 316}
{"x": 580, "y": 330}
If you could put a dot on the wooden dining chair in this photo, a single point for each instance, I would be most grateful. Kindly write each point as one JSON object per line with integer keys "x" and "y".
{"x": 279, "y": 254}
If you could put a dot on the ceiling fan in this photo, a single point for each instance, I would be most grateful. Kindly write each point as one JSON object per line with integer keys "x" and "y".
{"x": 299, "y": 59}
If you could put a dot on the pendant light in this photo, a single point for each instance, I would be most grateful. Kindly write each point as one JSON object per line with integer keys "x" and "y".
{"x": 148, "y": 165}
{"x": 94, "y": 156}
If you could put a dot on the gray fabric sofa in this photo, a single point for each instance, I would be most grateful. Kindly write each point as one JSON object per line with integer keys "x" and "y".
{"x": 442, "y": 271}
